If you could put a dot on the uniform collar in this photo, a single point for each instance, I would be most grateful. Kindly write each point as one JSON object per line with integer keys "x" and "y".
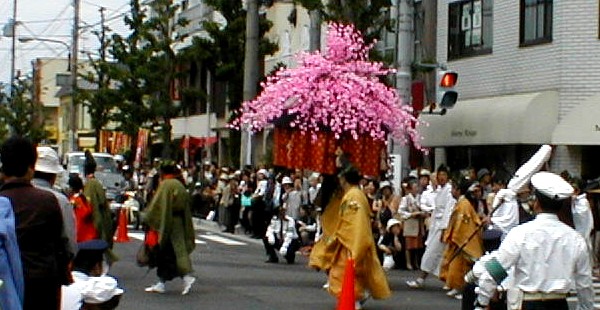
{"x": 547, "y": 216}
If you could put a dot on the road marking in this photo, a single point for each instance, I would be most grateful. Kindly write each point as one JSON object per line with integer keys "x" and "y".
{"x": 140, "y": 236}
{"x": 222, "y": 240}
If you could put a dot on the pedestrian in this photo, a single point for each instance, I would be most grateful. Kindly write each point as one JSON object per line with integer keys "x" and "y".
{"x": 548, "y": 256}
{"x": 96, "y": 196}
{"x": 282, "y": 236}
{"x": 11, "y": 269}
{"x": 169, "y": 215}
{"x": 91, "y": 288}
{"x": 47, "y": 168}
{"x": 39, "y": 226}
{"x": 351, "y": 238}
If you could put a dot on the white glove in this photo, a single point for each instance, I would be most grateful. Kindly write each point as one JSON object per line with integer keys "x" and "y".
{"x": 271, "y": 240}
{"x": 283, "y": 251}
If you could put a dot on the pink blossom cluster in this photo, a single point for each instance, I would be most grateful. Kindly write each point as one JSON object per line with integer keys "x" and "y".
{"x": 339, "y": 90}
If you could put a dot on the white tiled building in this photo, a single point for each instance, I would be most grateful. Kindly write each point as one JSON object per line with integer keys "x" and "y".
{"x": 529, "y": 74}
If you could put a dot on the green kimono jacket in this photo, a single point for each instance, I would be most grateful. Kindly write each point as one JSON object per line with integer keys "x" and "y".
{"x": 169, "y": 214}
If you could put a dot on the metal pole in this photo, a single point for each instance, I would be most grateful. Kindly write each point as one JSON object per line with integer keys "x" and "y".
{"x": 208, "y": 103}
{"x": 404, "y": 59}
{"x": 13, "y": 50}
{"x": 250, "y": 74}
{"x": 73, "y": 104}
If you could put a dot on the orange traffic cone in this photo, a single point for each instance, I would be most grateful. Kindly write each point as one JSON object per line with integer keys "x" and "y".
{"x": 122, "y": 227}
{"x": 346, "y": 299}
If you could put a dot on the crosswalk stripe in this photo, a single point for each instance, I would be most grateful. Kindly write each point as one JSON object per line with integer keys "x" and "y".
{"x": 222, "y": 240}
{"x": 140, "y": 236}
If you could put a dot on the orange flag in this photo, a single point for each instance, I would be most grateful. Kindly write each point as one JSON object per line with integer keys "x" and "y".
{"x": 346, "y": 299}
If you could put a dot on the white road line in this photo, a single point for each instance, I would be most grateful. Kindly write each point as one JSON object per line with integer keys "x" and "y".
{"x": 140, "y": 236}
{"x": 222, "y": 240}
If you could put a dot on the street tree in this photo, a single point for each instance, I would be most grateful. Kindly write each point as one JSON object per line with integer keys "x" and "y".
{"x": 144, "y": 66}
{"x": 101, "y": 101}
{"x": 21, "y": 114}
{"x": 222, "y": 50}
{"x": 367, "y": 16}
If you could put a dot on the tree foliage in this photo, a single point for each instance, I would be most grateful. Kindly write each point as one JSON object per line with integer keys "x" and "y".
{"x": 21, "y": 114}
{"x": 366, "y": 15}
{"x": 221, "y": 52}
{"x": 144, "y": 66}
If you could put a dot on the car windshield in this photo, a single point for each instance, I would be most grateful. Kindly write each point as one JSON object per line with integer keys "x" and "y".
{"x": 103, "y": 164}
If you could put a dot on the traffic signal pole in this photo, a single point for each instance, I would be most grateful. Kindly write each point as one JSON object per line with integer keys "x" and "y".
{"x": 404, "y": 58}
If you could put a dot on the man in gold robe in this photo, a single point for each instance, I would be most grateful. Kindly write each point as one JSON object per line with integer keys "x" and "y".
{"x": 463, "y": 238}
{"x": 352, "y": 237}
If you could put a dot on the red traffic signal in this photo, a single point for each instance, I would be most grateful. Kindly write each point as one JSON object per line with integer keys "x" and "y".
{"x": 448, "y": 79}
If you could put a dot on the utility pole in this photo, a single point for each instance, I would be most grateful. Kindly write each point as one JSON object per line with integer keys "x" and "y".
{"x": 404, "y": 59}
{"x": 74, "y": 53}
{"x": 315, "y": 30}
{"x": 429, "y": 44}
{"x": 13, "y": 50}
{"x": 250, "y": 75}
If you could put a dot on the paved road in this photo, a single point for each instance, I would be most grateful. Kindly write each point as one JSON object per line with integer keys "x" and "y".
{"x": 232, "y": 275}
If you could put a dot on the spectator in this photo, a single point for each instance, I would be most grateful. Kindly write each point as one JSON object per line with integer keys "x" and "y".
{"x": 307, "y": 226}
{"x": 39, "y": 227}
{"x": 91, "y": 288}
{"x": 391, "y": 244}
{"x": 47, "y": 168}
{"x": 281, "y": 235}
{"x": 11, "y": 270}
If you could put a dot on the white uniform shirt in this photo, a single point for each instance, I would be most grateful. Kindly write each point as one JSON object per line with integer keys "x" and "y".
{"x": 582, "y": 217}
{"x": 287, "y": 227}
{"x": 506, "y": 215}
{"x": 548, "y": 256}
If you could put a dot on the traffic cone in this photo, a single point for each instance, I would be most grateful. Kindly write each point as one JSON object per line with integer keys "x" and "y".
{"x": 122, "y": 227}
{"x": 346, "y": 299}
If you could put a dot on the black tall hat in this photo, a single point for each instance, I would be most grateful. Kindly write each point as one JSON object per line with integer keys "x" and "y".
{"x": 89, "y": 164}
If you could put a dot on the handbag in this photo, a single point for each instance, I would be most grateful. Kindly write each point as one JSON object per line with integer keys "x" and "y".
{"x": 146, "y": 254}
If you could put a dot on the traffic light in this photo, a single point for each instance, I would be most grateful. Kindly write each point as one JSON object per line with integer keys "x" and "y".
{"x": 446, "y": 94}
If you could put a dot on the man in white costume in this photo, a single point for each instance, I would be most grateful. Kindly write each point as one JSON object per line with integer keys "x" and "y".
{"x": 434, "y": 247}
{"x": 546, "y": 254}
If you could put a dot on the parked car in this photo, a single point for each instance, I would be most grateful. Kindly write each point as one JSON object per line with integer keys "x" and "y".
{"x": 107, "y": 172}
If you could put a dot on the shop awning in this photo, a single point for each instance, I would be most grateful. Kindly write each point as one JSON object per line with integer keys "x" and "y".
{"x": 528, "y": 118}
{"x": 581, "y": 126}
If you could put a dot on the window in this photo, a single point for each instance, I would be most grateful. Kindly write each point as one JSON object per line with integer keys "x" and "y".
{"x": 470, "y": 28}
{"x": 536, "y": 22}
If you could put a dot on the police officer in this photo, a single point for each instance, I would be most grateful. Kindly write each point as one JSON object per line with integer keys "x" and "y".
{"x": 546, "y": 255}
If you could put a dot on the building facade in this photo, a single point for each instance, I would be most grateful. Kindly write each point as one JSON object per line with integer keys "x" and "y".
{"x": 529, "y": 74}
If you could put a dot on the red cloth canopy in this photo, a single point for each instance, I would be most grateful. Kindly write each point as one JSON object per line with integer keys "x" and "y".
{"x": 293, "y": 150}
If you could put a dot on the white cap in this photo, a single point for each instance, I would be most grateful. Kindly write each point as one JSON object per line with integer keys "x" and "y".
{"x": 424, "y": 172}
{"x": 385, "y": 184}
{"x": 392, "y": 222}
{"x": 413, "y": 174}
{"x": 287, "y": 180}
{"x": 48, "y": 161}
{"x": 551, "y": 185}
{"x": 263, "y": 172}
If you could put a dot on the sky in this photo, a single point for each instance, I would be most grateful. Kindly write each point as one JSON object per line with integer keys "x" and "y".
{"x": 53, "y": 19}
